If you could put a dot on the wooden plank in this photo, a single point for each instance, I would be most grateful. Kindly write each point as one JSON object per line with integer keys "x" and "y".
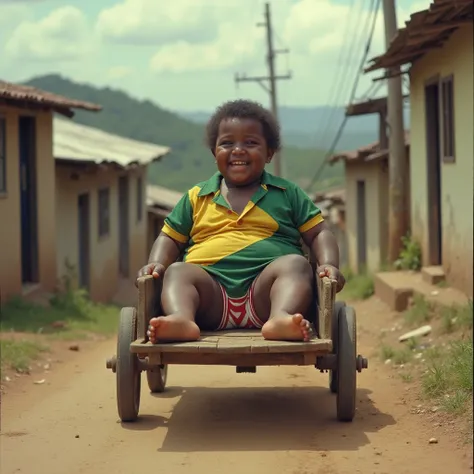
{"x": 235, "y": 346}
{"x": 327, "y": 298}
{"x": 149, "y": 289}
{"x": 246, "y": 359}
{"x": 233, "y": 333}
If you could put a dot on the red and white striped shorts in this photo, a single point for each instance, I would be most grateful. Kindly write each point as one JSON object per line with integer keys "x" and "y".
{"x": 239, "y": 313}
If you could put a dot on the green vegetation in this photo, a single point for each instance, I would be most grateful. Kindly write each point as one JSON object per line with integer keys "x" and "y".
{"x": 449, "y": 379}
{"x": 410, "y": 255}
{"x": 397, "y": 356}
{"x": 457, "y": 317}
{"x": 70, "y": 315}
{"x": 358, "y": 287}
{"x": 420, "y": 312}
{"x": 189, "y": 161}
{"x": 17, "y": 355}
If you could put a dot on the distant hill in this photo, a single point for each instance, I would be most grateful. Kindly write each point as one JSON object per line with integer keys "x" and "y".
{"x": 303, "y": 126}
{"x": 189, "y": 161}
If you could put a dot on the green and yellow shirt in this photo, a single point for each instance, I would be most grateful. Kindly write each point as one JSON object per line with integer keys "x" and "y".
{"x": 235, "y": 248}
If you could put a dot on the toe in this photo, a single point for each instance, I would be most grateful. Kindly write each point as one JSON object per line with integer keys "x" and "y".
{"x": 298, "y": 318}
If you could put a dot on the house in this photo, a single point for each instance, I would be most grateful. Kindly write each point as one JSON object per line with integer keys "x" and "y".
{"x": 28, "y": 238}
{"x": 101, "y": 220}
{"x": 160, "y": 202}
{"x": 437, "y": 46}
{"x": 366, "y": 205}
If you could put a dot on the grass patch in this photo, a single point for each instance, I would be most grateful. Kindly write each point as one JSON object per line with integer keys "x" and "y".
{"x": 397, "y": 356}
{"x": 70, "y": 315}
{"x": 449, "y": 378}
{"x": 357, "y": 287}
{"x": 420, "y": 312}
{"x": 406, "y": 377}
{"x": 17, "y": 355}
{"x": 456, "y": 317}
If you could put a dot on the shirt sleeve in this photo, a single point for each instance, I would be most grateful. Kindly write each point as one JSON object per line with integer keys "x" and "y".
{"x": 179, "y": 222}
{"x": 306, "y": 214}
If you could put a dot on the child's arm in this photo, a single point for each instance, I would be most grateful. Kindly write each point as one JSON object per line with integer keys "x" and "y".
{"x": 323, "y": 244}
{"x": 317, "y": 236}
{"x": 165, "y": 250}
{"x": 172, "y": 239}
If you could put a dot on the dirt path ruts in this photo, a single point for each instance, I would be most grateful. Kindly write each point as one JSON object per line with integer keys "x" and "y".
{"x": 212, "y": 420}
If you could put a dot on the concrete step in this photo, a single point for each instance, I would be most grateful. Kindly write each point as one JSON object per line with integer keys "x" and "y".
{"x": 433, "y": 275}
{"x": 393, "y": 290}
{"x": 396, "y": 289}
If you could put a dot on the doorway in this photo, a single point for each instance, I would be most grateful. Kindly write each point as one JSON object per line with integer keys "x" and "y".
{"x": 433, "y": 163}
{"x": 361, "y": 227}
{"x": 28, "y": 201}
{"x": 123, "y": 209}
{"x": 83, "y": 205}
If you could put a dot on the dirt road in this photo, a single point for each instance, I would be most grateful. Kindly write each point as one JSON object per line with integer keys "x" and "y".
{"x": 212, "y": 420}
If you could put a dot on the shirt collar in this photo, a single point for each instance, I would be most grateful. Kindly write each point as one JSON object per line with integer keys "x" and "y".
{"x": 212, "y": 185}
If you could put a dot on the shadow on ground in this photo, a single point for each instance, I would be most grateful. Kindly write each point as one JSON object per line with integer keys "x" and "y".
{"x": 262, "y": 419}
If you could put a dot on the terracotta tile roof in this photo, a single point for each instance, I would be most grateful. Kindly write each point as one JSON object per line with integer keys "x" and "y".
{"x": 366, "y": 153}
{"x": 426, "y": 30}
{"x": 17, "y": 93}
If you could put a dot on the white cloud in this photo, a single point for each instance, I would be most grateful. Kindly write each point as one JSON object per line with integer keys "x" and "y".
{"x": 62, "y": 35}
{"x": 11, "y": 15}
{"x": 119, "y": 72}
{"x": 154, "y": 21}
{"x": 315, "y": 32}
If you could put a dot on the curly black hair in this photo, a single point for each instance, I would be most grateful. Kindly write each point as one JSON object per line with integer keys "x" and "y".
{"x": 244, "y": 109}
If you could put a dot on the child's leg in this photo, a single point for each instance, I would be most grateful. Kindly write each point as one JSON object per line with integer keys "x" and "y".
{"x": 190, "y": 295}
{"x": 282, "y": 297}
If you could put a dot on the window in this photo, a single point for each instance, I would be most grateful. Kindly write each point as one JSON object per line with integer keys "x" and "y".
{"x": 3, "y": 157}
{"x": 104, "y": 212}
{"x": 447, "y": 113}
{"x": 139, "y": 199}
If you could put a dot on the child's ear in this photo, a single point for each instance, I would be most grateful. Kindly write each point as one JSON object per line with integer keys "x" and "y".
{"x": 270, "y": 155}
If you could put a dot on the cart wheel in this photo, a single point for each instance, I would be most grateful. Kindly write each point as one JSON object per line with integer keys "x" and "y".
{"x": 338, "y": 306}
{"x": 157, "y": 378}
{"x": 128, "y": 372}
{"x": 346, "y": 364}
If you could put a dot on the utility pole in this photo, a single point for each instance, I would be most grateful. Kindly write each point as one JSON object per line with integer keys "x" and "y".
{"x": 272, "y": 78}
{"x": 398, "y": 216}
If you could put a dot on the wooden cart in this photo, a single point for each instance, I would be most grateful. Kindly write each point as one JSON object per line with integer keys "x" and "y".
{"x": 334, "y": 351}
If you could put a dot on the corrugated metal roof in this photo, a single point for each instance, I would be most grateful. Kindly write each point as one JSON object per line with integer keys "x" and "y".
{"x": 426, "y": 30}
{"x": 20, "y": 93}
{"x": 162, "y": 197}
{"x": 77, "y": 142}
{"x": 367, "y": 152}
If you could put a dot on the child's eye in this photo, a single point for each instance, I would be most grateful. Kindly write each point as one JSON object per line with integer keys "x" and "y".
{"x": 226, "y": 143}
{"x": 251, "y": 142}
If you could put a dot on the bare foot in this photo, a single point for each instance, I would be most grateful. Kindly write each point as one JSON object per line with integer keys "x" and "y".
{"x": 287, "y": 328}
{"x": 172, "y": 328}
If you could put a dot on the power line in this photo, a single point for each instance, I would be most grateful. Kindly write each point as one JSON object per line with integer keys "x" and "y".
{"x": 355, "y": 45}
{"x": 272, "y": 78}
{"x": 339, "y": 65}
{"x": 375, "y": 9}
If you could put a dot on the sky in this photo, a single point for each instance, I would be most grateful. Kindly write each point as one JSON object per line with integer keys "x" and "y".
{"x": 184, "y": 54}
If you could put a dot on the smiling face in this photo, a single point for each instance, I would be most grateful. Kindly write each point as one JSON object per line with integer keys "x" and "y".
{"x": 241, "y": 151}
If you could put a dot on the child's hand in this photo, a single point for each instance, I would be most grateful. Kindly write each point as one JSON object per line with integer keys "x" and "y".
{"x": 156, "y": 269}
{"x": 332, "y": 273}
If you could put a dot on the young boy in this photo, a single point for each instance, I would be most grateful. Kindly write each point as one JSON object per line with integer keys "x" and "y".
{"x": 240, "y": 232}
